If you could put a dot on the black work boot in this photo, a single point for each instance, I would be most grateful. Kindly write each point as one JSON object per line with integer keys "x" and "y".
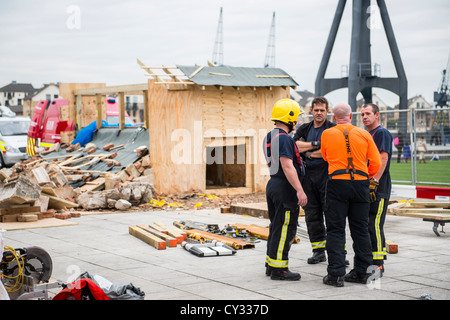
{"x": 356, "y": 277}
{"x": 284, "y": 275}
{"x": 318, "y": 256}
{"x": 333, "y": 281}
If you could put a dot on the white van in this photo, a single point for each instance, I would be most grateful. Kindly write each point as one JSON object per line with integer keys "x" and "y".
{"x": 13, "y": 139}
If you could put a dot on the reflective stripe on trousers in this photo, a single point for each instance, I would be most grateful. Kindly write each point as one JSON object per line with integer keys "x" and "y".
{"x": 279, "y": 262}
{"x": 380, "y": 252}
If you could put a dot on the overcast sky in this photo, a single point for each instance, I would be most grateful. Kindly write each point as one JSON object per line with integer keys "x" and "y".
{"x": 99, "y": 40}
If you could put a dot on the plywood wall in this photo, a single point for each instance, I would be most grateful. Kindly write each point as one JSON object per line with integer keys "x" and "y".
{"x": 88, "y": 110}
{"x": 171, "y": 125}
{"x": 200, "y": 115}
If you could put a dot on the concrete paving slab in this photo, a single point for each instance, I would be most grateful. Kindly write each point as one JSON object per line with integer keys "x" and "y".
{"x": 101, "y": 244}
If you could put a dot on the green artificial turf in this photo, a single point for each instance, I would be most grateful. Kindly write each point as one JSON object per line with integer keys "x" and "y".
{"x": 431, "y": 171}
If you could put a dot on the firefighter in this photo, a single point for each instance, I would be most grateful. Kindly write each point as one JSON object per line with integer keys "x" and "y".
{"x": 380, "y": 184}
{"x": 284, "y": 191}
{"x": 307, "y": 138}
{"x": 347, "y": 148}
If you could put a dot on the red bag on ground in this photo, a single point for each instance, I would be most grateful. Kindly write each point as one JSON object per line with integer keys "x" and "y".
{"x": 83, "y": 289}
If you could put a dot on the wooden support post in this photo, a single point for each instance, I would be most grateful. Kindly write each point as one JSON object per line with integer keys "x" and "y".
{"x": 78, "y": 113}
{"x": 146, "y": 111}
{"x": 99, "y": 111}
{"x": 121, "y": 110}
{"x": 391, "y": 247}
{"x": 170, "y": 241}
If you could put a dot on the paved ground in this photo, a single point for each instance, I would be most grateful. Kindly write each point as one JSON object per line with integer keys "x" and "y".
{"x": 101, "y": 244}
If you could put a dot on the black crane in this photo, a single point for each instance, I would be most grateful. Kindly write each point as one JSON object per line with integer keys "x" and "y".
{"x": 442, "y": 96}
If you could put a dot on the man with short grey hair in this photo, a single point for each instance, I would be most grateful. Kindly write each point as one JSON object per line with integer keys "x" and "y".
{"x": 347, "y": 148}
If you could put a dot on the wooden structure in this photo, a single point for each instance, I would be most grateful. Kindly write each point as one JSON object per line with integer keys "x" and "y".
{"x": 87, "y": 101}
{"x": 207, "y": 124}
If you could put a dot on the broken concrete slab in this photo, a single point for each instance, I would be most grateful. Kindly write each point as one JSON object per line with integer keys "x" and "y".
{"x": 122, "y": 204}
{"x": 92, "y": 200}
{"x": 19, "y": 191}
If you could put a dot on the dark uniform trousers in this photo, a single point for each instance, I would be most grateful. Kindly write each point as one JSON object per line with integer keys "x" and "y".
{"x": 283, "y": 214}
{"x": 314, "y": 185}
{"x": 377, "y": 216}
{"x": 348, "y": 199}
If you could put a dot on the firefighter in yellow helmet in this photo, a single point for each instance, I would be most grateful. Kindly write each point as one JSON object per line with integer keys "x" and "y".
{"x": 284, "y": 191}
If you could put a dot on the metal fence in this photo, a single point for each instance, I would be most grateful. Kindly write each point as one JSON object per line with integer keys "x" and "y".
{"x": 415, "y": 167}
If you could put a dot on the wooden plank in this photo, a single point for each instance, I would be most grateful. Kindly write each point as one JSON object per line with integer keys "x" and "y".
{"x": 180, "y": 238}
{"x": 170, "y": 241}
{"x": 173, "y": 231}
{"x": 421, "y": 210}
{"x": 391, "y": 247}
{"x": 121, "y": 111}
{"x": 158, "y": 228}
{"x": 147, "y": 237}
{"x": 431, "y": 204}
{"x": 99, "y": 110}
{"x": 103, "y": 90}
{"x": 19, "y": 210}
{"x": 146, "y": 106}
{"x": 8, "y": 218}
{"x": 40, "y": 223}
{"x": 196, "y": 71}
{"x": 94, "y": 185}
{"x": 434, "y": 216}
{"x": 58, "y": 203}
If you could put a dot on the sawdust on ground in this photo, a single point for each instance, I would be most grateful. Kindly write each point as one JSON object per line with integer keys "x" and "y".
{"x": 194, "y": 201}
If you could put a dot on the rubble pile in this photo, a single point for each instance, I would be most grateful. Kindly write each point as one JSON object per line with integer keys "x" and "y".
{"x": 56, "y": 186}
{"x": 61, "y": 187}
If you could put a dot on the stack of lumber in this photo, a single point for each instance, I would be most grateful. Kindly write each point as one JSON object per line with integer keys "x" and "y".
{"x": 158, "y": 235}
{"x": 438, "y": 210}
{"x": 161, "y": 236}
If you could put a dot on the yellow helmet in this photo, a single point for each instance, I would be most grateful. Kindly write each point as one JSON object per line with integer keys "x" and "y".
{"x": 286, "y": 111}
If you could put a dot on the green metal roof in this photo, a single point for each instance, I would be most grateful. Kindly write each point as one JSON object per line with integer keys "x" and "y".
{"x": 238, "y": 76}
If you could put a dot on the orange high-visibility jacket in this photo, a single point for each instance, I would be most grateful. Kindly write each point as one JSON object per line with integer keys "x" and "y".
{"x": 366, "y": 156}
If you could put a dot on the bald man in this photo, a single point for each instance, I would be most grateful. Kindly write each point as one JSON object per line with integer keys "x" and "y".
{"x": 347, "y": 148}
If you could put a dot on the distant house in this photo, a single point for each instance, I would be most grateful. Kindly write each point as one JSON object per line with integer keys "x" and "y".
{"x": 375, "y": 100}
{"x": 47, "y": 92}
{"x": 419, "y": 102}
{"x": 13, "y": 95}
{"x": 424, "y": 118}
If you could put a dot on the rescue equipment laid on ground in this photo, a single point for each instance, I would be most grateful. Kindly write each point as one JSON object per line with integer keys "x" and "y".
{"x": 211, "y": 249}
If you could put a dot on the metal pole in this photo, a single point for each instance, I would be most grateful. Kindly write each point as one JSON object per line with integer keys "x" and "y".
{"x": 413, "y": 154}
{"x": 329, "y": 46}
{"x": 353, "y": 79}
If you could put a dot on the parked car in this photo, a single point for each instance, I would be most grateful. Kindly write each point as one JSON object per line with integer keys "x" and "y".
{"x": 13, "y": 139}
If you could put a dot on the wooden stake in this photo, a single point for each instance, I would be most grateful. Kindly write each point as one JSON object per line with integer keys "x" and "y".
{"x": 147, "y": 237}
